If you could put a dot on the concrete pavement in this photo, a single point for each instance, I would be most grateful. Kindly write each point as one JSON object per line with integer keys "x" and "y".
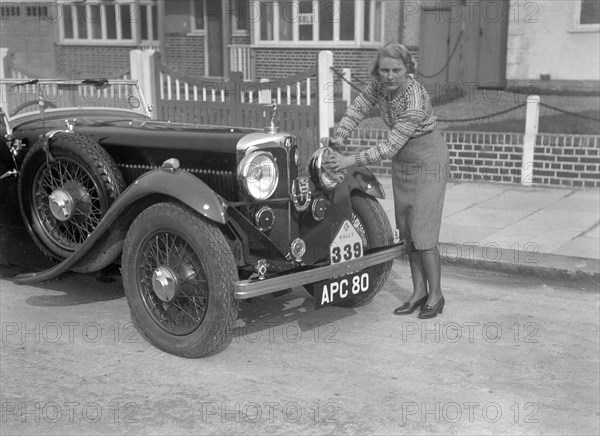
{"x": 515, "y": 228}
{"x": 511, "y": 354}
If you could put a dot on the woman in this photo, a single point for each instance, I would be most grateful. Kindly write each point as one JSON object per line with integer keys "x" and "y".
{"x": 419, "y": 158}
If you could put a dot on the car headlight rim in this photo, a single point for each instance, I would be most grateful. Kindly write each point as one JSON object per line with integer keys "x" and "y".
{"x": 258, "y": 174}
{"x": 318, "y": 174}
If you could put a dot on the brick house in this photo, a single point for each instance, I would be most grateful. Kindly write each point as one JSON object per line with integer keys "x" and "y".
{"x": 466, "y": 41}
{"x": 275, "y": 38}
{"x": 202, "y": 38}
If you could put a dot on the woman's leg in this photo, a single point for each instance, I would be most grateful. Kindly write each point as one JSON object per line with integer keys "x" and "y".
{"x": 419, "y": 277}
{"x": 430, "y": 260}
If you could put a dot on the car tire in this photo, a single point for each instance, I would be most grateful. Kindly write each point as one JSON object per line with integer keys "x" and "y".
{"x": 178, "y": 273}
{"x": 64, "y": 196}
{"x": 373, "y": 225}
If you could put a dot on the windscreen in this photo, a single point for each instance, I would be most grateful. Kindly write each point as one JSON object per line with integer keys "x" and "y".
{"x": 20, "y": 97}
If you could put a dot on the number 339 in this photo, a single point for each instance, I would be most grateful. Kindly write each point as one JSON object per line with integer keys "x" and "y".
{"x": 347, "y": 251}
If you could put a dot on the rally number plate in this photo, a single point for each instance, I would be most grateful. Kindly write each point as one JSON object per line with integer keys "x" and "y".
{"x": 346, "y": 245}
{"x": 341, "y": 289}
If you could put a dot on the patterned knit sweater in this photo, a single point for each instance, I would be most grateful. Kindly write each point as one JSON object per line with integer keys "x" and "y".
{"x": 408, "y": 116}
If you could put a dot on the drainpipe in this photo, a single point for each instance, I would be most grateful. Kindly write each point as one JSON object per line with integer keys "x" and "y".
{"x": 227, "y": 17}
{"x": 161, "y": 29}
{"x": 137, "y": 23}
{"x": 401, "y": 24}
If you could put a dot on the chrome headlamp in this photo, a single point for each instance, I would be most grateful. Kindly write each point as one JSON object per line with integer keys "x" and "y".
{"x": 321, "y": 177}
{"x": 258, "y": 175}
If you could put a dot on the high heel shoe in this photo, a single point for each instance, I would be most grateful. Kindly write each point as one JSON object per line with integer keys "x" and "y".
{"x": 428, "y": 311}
{"x": 408, "y": 308}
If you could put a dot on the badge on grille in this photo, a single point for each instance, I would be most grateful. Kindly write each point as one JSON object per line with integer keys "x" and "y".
{"x": 301, "y": 194}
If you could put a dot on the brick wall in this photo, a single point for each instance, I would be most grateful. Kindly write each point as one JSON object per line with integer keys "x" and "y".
{"x": 567, "y": 160}
{"x": 31, "y": 41}
{"x": 279, "y": 63}
{"x": 92, "y": 61}
{"x": 240, "y": 39}
{"x": 559, "y": 160}
{"x": 185, "y": 54}
{"x": 282, "y": 63}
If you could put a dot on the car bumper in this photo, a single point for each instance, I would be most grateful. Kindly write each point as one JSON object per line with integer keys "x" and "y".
{"x": 244, "y": 289}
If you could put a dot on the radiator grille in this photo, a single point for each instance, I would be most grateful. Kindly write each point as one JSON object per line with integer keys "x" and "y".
{"x": 222, "y": 182}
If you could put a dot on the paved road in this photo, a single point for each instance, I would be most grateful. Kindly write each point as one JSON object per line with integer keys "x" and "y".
{"x": 510, "y": 354}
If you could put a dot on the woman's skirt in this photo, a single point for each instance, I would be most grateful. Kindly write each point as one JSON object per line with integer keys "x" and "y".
{"x": 419, "y": 175}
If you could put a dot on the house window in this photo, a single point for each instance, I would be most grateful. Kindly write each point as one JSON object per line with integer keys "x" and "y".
{"x": 9, "y": 11}
{"x": 587, "y": 15}
{"x": 198, "y": 15}
{"x": 315, "y": 21}
{"x": 241, "y": 13}
{"x": 373, "y": 21}
{"x": 149, "y": 22}
{"x": 26, "y": 12}
{"x": 108, "y": 22}
{"x": 237, "y": 10}
{"x": 347, "y": 15}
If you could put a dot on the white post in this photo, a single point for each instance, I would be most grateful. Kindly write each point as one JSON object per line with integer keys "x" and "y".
{"x": 346, "y": 88}
{"x": 531, "y": 131}
{"x": 142, "y": 70}
{"x": 135, "y": 64}
{"x": 147, "y": 80}
{"x": 264, "y": 95}
{"x": 325, "y": 91}
{"x": 3, "y": 62}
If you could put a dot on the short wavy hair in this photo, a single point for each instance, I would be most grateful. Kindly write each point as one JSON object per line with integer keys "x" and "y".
{"x": 394, "y": 50}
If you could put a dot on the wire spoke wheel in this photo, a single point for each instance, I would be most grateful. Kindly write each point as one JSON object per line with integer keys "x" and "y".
{"x": 359, "y": 226}
{"x": 67, "y": 202}
{"x": 65, "y": 192}
{"x": 178, "y": 274}
{"x": 173, "y": 284}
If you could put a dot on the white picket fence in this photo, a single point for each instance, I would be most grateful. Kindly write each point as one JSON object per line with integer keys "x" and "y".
{"x": 302, "y": 91}
{"x": 308, "y": 89}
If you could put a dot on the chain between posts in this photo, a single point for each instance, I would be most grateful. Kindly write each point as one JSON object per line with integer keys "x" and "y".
{"x": 569, "y": 113}
{"x": 483, "y": 117}
{"x": 341, "y": 76}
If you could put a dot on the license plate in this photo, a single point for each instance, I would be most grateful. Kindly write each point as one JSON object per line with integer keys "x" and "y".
{"x": 346, "y": 245}
{"x": 341, "y": 288}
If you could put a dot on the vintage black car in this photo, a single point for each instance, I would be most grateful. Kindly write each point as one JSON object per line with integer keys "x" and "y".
{"x": 198, "y": 217}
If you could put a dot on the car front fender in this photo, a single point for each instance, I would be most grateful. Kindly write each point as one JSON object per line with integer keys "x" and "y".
{"x": 180, "y": 185}
{"x": 104, "y": 244}
{"x": 362, "y": 179}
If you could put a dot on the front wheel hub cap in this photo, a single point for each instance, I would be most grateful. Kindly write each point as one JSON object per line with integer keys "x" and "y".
{"x": 62, "y": 205}
{"x": 164, "y": 283}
